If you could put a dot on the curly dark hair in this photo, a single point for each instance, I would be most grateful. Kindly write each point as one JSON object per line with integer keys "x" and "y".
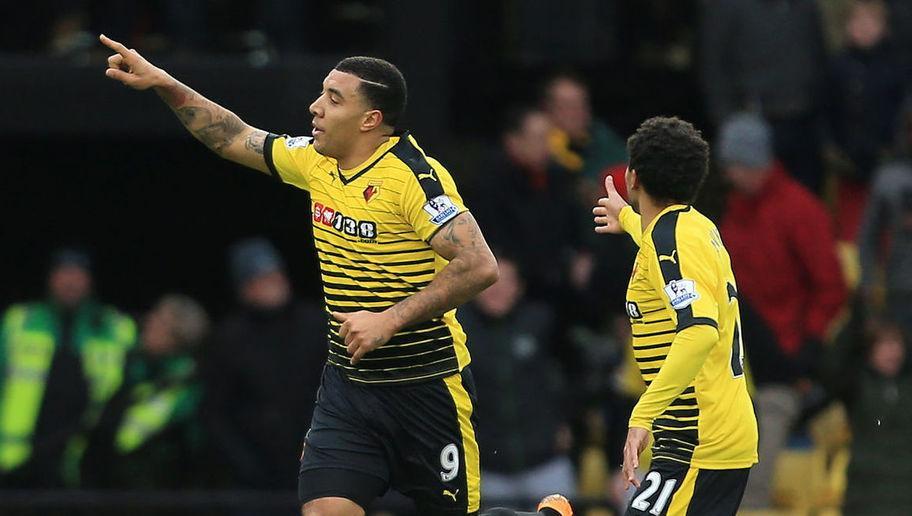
{"x": 382, "y": 85}
{"x": 670, "y": 157}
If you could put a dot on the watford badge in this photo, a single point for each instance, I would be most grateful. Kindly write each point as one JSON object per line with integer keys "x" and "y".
{"x": 372, "y": 190}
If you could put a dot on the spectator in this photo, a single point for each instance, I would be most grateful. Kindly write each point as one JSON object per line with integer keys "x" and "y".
{"x": 148, "y": 436}
{"x": 578, "y": 141}
{"x": 586, "y": 147}
{"x": 866, "y": 88}
{"x": 885, "y": 240}
{"x": 772, "y": 223}
{"x": 522, "y": 174}
{"x": 865, "y": 93}
{"x": 769, "y": 56}
{"x": 61, "y": 360}
{"x": 516, "y": 373}
{"x": 263, "y": 372}
{"x": 872, "y": 377}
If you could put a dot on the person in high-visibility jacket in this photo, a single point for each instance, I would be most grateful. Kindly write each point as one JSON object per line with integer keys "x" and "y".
{"x": 60, "y": 361}
{"x": 148, "y": 436}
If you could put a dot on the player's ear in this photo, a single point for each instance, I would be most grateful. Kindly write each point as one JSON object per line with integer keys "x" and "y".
{"x": 632, "y": 180}
{"x": 372, "y": 119}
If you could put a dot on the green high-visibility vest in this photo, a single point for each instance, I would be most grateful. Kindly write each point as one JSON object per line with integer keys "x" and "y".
{"x": 157, "y": 403}
{"x": 28, "y": 339}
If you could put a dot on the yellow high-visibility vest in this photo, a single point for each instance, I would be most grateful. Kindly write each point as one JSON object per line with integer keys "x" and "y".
{"x": 27, "y": 345}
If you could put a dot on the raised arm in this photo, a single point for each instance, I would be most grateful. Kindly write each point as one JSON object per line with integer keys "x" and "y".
{"x": 218, "y": 128}
{"x": 471, "y": 269}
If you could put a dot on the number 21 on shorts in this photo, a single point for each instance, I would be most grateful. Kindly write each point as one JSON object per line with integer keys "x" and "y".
{"x": 642, "y": 501}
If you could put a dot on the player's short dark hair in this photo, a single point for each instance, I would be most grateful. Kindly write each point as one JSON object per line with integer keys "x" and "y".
{"x": 670, "y": 157}
{"x": 382, "y": 85}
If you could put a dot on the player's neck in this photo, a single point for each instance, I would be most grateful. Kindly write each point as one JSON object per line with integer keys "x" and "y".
{"x": 650, "y": 209}
{"x": 362, "y": 150}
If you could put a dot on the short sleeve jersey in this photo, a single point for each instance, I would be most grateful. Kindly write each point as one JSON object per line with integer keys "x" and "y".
{"x": 682, "y": 277}
{"x": 372, "y": 228}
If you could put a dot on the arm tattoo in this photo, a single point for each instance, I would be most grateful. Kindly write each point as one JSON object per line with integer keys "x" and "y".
{"x": 208, "y": 122}
{"x": 175, "y": 96}
{"x": 468, "y": 241}
{"x": 449, "y": 234}
{"x": 256, "y": 141}
{"x": 465, "y": 275}
{"x": 216, "y": 128}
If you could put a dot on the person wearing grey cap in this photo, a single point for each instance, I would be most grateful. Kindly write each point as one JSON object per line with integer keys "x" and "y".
{"x": 262, "y": 371}
{"x": 783, "y": 247}
{"x": 60, "y": 362}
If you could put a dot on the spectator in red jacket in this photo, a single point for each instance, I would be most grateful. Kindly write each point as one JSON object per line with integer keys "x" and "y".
{"x": 790, "y": 285}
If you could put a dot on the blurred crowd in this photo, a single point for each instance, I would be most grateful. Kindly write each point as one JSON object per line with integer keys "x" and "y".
{"x": 810, "y": 106}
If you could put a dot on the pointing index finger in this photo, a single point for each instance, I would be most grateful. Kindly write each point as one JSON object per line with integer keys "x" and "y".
{"x": 114, "y": 45}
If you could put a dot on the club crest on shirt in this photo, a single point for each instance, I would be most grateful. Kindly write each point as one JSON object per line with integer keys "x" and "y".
{"x": 441, "y": 209}
{"x": 681, "y": 293}
{"x": 372, "y": 190}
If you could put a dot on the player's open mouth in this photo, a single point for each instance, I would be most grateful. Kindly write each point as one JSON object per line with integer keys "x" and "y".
{"x": 315, "y": 132}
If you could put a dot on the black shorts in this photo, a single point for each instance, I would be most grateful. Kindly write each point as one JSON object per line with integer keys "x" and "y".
{"x": 676, "y": 489}
{"x": 418, "y": 439}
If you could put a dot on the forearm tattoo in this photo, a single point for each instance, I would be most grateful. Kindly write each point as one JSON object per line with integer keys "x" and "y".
{"x": 208, "y": 122}
{"x": 256, "y": 141}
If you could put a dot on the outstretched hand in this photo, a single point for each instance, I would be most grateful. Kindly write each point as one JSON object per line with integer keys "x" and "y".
{"x": 607, "y": 213}
{"x": 130, "y": 68}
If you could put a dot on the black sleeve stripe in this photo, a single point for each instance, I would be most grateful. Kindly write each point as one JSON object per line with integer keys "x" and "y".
{"x": 684, "y": 323}
{"x": 664, "y": 239}
{"x": 418, "y": 164}
{"x": 267, "y": 155}
{"x": 732, "y": 291}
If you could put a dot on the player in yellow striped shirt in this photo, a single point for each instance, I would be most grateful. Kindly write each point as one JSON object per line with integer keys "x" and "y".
{"x": 398, "y": 252}
{"x": 682, "y": 301}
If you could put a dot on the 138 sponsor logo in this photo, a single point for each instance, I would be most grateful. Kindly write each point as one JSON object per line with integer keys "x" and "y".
{"x": 363, "y": 229}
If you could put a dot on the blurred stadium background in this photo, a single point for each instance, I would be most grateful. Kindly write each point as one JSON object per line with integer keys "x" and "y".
{"x": 528, "y": 103}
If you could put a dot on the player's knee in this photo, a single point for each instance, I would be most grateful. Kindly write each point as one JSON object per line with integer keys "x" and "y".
{"x": 331, "y": 507}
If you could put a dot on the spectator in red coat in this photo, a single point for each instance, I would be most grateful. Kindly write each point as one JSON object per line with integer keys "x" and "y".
{"x": 790, "y": 285}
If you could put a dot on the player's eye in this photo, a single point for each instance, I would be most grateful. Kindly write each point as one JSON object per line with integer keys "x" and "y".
{"x": 333, "y": 100}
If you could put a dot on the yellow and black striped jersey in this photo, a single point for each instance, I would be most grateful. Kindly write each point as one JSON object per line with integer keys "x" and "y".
{"x": 371, "y": 227}
{"x": 683, "y": 307}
